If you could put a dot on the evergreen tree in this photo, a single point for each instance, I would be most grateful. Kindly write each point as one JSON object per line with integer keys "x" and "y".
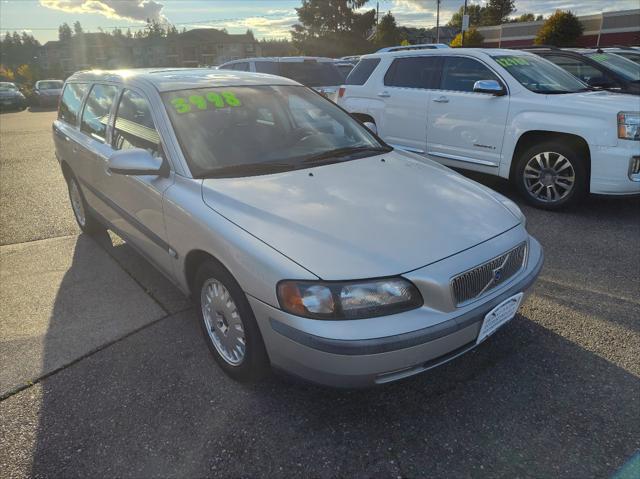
{"x": 387, "y": 33}
{"x": 64, "y": 32}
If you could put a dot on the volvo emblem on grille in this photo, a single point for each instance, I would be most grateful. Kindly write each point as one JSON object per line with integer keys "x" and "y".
{"x": 497, "y": 274}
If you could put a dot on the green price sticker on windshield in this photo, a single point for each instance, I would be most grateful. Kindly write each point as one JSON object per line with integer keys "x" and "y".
{"x": 512, "y": 61}
{"x": 194, "y": 103}
{"x": 600, "y": 57}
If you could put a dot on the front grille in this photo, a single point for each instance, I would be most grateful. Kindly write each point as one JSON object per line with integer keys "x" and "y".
{"x": 482, "y": 279}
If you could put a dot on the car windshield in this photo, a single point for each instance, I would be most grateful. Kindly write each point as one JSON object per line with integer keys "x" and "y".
{"x": 625, "y": 68}
{"x": 50, "y": 85}
{"x": 254, "y": 130}
{"x": 7, "y": 87}
{"x": 312, "y": 73}
{"x": 633, "y": 56}
{"x": 539, "y": 75}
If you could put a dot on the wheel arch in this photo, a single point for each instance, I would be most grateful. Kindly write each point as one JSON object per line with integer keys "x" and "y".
{"x": 192, "y": 262}
{"x": 66, "y": 170}
{"x": 532, "y": 137}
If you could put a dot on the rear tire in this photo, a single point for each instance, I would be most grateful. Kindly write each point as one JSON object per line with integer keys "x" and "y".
{"x": 228, "y": 324}
{"x": 551, "y": 175}
{"x": 82, "y": 213}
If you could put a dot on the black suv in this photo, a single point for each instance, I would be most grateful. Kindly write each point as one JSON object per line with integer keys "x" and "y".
{"x": 597, "y": 68}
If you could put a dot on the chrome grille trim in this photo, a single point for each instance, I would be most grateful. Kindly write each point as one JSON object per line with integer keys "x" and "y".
{"x": 481, "y": 279}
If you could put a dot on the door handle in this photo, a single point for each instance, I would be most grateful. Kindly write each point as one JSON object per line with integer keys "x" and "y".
{"x": 384, "y": 94}
{"x": 442, "y": 99}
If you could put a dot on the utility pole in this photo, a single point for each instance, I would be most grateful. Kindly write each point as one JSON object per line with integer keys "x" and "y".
{"x": 464, "y": 13}
{"x": 438, "y": 21}
{"x": 377, "y": 12}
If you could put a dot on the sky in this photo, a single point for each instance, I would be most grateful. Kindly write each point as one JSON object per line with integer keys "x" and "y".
{"x": 267, "y": 18}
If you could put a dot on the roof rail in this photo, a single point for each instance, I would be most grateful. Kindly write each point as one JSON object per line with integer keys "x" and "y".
{"x": 423, "y": 46}
{"x": 535, "y": 47}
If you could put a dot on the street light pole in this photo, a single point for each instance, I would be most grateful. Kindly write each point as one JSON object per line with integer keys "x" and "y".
{"x": 438, "y": 21}
{"x": 464, "y": 12}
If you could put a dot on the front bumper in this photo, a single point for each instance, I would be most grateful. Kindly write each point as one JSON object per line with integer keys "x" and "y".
{"x": 610, "y": 169}
{"x": 365, "y": 362}
{"x": 7, "y": 103}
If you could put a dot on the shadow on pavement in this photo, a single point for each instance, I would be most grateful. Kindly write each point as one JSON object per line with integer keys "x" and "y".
{"x": 526, "y": 403}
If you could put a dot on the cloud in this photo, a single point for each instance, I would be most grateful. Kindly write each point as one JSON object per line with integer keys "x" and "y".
{"x": 138, "y": 10}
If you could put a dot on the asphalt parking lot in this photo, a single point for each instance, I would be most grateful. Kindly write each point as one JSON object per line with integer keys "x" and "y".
{"x": 104, "y": 371}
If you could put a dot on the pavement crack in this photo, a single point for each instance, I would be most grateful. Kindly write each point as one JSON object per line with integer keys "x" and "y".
{"x": 102, "y": 347}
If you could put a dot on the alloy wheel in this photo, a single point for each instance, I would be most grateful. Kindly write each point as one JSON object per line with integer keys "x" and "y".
{"x": 549, "y": 177}
{"x": 76, "y": 202}
{"x": 223, "y": 322}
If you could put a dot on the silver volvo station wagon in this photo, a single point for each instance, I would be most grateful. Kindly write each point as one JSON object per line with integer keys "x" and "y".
{"x": 307, "y": 243}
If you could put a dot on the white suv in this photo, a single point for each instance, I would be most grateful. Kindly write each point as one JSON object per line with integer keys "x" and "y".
{"x": 502, "y": 112}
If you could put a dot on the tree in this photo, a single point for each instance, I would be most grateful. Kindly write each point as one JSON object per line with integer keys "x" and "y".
{"x": 497, "y": 11}
{"x": 387, "y": 33}
{"x": 6, "y": 73}
{"x": 24, "y": 74}
{"x": 333, "y": 27}
{"x": 472, "y": 38}
{"x": 77, "y": 28}
{"x": 562, "y": 29}
{"x": 525, "y": 17}
{"x": 475, "y": 16}
{"x": 64, "y": 32}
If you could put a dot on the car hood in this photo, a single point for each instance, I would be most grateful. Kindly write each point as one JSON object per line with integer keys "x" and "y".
{"x": 595, "y": 101}
{"x": 10, "y": 94}
{"x": 362, "y": 218}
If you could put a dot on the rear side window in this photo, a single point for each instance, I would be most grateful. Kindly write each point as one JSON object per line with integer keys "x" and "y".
{"x": 267, "y": 67}
{"x": 460, "y": 74}
{"x": 312, "y": 73}
{"x": 95, "y": 115}
{"x": 71, "y": 102}
{"x": 362, "y": 71}
{"x": 414, "y": 72}
{"x": 243, "y": 67}
{"x": 134, "y": 127}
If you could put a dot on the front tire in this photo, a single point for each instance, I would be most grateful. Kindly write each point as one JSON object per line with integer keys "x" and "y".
{"x": 228, "y": 324}
{"x": 551, "y": 176}
{"x": 87, "y": 223}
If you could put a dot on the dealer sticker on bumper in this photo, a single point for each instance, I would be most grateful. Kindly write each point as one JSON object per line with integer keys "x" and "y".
{"x": 499, "y": 315}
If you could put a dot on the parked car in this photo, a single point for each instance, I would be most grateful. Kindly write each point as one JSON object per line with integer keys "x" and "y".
{"x": 344, "y": 68}
{"x": 46, "y": 93}
{"x": 630, "y": 53}
{"x": 502, "y": 112}
{"x": 11, "y": 98}
{"x": 596, "y": 68}
{"x": 306, "y": 242}
{"x": 319, "y": 73}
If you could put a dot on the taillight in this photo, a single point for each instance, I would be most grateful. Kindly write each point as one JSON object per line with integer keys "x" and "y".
{"x": 341, "y": 92}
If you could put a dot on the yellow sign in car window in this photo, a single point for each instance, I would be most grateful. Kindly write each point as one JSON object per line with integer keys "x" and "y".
{"x": 204, "y": 102}
{"x": 512, "y": 61}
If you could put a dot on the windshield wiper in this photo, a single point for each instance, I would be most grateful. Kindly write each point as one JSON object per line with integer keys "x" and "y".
{"x": 249, "y": 169}
{"x": 345, "y": 152}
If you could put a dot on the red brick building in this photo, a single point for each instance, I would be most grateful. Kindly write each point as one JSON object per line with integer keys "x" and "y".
{"x": 602, "y": 29}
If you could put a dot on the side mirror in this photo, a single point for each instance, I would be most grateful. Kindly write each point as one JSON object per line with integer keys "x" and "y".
{"x": 492, "y": 87}
{"x": 136, "y": 161}
{"x": 371, "y": 127}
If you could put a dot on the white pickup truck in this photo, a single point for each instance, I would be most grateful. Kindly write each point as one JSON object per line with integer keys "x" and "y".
{"x": 502, "y": 112}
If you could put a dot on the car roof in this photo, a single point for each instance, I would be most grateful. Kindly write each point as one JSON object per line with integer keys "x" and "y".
{"x": 445, "y": 51}
{"x": 170, "y": 79}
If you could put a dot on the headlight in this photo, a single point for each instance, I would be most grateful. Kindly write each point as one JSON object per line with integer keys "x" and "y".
{"x": 348, "y": 300}
{"x": 629, "y": 125}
